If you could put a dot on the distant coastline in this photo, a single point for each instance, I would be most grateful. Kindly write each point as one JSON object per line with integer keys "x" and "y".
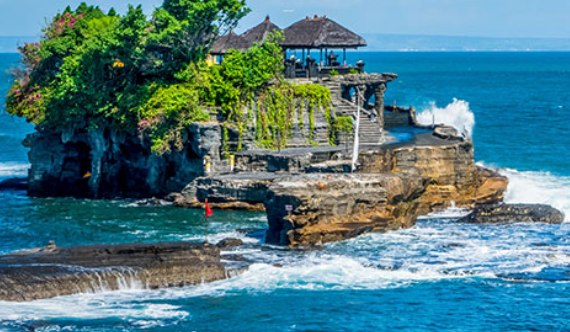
{"x": 426, "y": 43}
{"x": 407, "y": 43}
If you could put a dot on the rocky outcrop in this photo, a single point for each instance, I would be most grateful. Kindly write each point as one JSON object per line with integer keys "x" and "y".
{"x": 242, "y": 191}
{"x": 448, "y": 164}
{"x": 229, "y": 243}
{"x": 514, "y": 213}
{"x": 393, "y": 184}
{"x": 312, "y": 209}
{"x": 51, "y": 271}
{"x": 104, "y": 163}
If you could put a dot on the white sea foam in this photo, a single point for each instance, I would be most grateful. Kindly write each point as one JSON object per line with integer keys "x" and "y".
{"x": 457, "y": 114}
{"x": 8, "y": 170}
{"x": 538, "y": 187}
{"x": 434, "y": 250}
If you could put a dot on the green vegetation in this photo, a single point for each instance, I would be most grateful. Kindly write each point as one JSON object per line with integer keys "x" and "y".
{"x": 148, "y": 75}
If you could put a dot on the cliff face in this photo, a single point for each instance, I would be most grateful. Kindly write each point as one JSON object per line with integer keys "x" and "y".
{"x": 104, "y": 163}
{"x": 450, "y": 169}
{"x": 317, "y": 208}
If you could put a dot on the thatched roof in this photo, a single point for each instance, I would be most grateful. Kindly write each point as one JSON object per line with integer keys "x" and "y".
{"x": 320, "y": 32}
{"x": 231, "y": 41}
{"x": 259, "y": 33}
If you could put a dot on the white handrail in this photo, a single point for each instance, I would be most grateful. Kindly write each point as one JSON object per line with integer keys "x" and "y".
{"x": 356, "y": 134}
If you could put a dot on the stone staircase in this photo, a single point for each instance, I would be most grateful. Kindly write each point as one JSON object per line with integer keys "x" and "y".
{"x": 369, "y": 132}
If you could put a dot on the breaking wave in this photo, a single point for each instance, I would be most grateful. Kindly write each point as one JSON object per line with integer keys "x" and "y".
{"x": 457, "y": 114}
{"x": 538, "y": 187}
{"x": 9, "y": 170}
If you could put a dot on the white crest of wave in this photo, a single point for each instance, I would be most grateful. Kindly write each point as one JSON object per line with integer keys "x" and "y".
{"x": 457, "y": 114}
{"x": 539, "y": 188}
{"x": 8, "y": 170}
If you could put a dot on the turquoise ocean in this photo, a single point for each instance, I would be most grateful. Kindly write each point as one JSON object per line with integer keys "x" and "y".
{"x": 437, "y": 276}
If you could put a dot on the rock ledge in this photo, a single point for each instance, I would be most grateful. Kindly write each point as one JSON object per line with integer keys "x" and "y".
{"x": 513, "y": 213}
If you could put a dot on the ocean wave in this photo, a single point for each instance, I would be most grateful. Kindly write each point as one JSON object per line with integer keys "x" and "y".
{"x": 457, "y": 114}
{"x": 9, "y": 170}
{"x": 537, "y": 188}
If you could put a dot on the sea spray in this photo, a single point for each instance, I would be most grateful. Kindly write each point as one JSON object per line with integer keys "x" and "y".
{"x": 538, "y": 187}
{"x": 457, "y": 114}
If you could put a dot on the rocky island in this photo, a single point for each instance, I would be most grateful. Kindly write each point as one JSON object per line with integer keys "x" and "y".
{"x": 168, "y": 109}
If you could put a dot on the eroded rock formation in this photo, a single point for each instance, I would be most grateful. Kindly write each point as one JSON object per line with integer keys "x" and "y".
{"x": 51, "y": 271}
{"x": 511, "y": 213}
{"x": 313, "y": 209}
{"x": 449, "y": 166}
{"x": 104, "y": 163}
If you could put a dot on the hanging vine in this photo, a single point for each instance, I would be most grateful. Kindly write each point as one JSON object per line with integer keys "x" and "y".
{"x": 274, "y": 111}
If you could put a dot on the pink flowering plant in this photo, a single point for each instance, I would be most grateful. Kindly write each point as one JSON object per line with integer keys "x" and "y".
{"x": 62, "y": 23}
{"x": 27, "y": 100}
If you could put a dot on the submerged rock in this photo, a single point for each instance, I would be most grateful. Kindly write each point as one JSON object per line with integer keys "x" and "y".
{"x": 513, "y": 213}
{"x": 229, "y": 243}
{"x": 14, "y": 184}
{"x": 49, "y": 272}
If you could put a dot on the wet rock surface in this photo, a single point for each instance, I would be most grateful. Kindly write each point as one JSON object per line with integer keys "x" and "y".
{"x": 51, "y": 271}
{"x": 229, "y": 243}
{"x": 311, "y": 209}
{"x": 514, "y": 213}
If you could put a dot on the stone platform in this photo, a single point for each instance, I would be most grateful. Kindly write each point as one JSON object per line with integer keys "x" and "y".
{"x": 51, "y": 271}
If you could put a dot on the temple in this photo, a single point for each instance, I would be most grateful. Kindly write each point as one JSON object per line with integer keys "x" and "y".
{"x": 309, "y": 47}
{"x": 331, "y": 163}
{"x": 321, "y": 35}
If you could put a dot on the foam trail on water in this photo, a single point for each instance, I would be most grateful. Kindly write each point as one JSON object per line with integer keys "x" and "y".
{"x": 457, "y": 114}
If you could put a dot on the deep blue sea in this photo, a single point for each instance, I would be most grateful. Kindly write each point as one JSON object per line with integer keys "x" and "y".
{"x": 437, "y": 276}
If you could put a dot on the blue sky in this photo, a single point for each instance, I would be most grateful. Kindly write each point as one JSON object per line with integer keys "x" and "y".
{"x": 485, "y": 18}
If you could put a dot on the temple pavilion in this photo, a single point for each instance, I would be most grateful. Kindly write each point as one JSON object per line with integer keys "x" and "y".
{"x": 319, "y": 35}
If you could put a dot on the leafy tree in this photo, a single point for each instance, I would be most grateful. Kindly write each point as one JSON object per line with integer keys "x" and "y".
{"x": 148, "y": 75}
{"x": 185, "y": 29}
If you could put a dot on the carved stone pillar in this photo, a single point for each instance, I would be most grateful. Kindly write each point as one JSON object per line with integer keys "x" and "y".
{"x": 379, "y": 91}
{"x": 346, "y": 92}
{"x": 368, "y": 93}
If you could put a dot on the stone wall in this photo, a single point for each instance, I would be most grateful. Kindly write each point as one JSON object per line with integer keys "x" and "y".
{"x": 395, "y": 117}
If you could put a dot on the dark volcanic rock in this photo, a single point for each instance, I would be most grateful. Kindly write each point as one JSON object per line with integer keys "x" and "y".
{"x": 229, "y": 243}
{"x": 511, "y": 213}
{"x": 14, "y": 184}
{"x": 105, "y": 163}
{"x": 51, "y": 271}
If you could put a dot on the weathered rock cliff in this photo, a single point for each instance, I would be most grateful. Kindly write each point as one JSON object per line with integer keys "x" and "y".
{"x": 104, "y": 163}
{"x": 326, "y": 208}
{"x": 448, "y": 164}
